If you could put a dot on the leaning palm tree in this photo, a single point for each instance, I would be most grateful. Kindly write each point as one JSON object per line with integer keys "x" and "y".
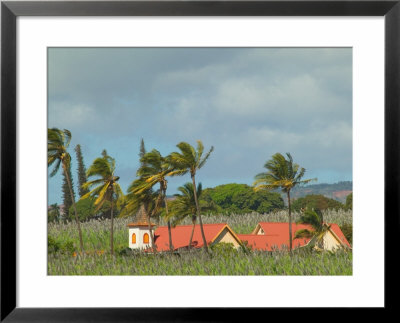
{"x": 315, "y": 219}
{"x": 140, "y": 195}
{"x": 154, "y": 170}
{"x": 190, "y": 160}
{"x": 185, "y": 205}
{"x": 105, "y": 187}
{"x": 282, "y": 173}
{"x": 57, "y": 145}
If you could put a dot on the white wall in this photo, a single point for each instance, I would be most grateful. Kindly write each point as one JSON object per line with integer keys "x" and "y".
{"x": 139, "y": 231}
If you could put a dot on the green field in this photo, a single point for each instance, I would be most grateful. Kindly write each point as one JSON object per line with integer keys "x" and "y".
{"x": 64, "y": 242}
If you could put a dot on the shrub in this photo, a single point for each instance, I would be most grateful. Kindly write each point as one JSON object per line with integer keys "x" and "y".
{"x": 241, "y": 198}
{"x": 347, "y": 229}
{"x": 55, "y": 246}
{"x": 316, "y": 202}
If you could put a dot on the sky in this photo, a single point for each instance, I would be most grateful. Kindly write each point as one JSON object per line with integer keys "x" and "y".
{"x": 248, "y": 103}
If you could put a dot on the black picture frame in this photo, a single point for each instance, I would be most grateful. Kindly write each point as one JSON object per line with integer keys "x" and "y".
{"x": 10, "y": 10}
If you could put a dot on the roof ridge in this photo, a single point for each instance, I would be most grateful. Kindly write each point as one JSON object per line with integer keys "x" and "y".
{"x": 190, "y": 225}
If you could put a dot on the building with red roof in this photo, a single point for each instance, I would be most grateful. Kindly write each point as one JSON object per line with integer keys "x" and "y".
{"x": 271, "y": 236}
{"x": 139, "y": 235}
{"x": 268, "y": 236}
{"x": 214, "y": 233}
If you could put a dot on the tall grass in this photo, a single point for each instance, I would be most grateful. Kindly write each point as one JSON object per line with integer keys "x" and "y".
{"x": 199, "y": 263}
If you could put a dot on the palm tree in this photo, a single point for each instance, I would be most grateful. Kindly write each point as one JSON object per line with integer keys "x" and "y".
{"x": 190, "y": 160}
{"x": 185, "y": 205}
{"x": 282, "y": 173}
{"x": 57, "y": 145}
{"x": 105, "y": 187}
{"x": 316, "y": 220}
{"x": 141, "y": 196}
{"x": 153, "y": 170}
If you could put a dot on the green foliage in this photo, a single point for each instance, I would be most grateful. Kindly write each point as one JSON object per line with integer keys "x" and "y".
{"x": 281, "y": 173}
{"x": 234, "y": 198}
{"x": 142, "y": 152}
{"x": 316, "y": 202}
{"x": 223, "y": 248}
{"x": 349, "y": 201}
{"x": 55, "y": 246}
{"x": 81, "y": 171}
{"x": 314, "y": 218}
{"x": 87, "y": 210}
{"x": 53, "y": 213}
{"x": 347, "y": 229}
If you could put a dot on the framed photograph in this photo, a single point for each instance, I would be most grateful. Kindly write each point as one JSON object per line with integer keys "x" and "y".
{"x": 141, "y": 86}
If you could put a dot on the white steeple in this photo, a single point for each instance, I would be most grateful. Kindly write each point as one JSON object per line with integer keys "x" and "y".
{"x": 139, "y": 232}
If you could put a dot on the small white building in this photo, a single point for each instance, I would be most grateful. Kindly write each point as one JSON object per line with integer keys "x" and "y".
{"x": 139, "y": 232}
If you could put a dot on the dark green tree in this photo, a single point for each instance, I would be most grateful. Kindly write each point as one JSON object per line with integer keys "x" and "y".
{"x": 241, "y": 198}
{"x": 66, "y": 193}
{"x": 87, "y": 210}
{"x": 347, "y": 229}
{"x": 53, "y": 213}
{"x": 142, "y": 152}
{"x": 349, "y": 201}
{"x": 316, "y": 202}
{"x": 81, "y": 170}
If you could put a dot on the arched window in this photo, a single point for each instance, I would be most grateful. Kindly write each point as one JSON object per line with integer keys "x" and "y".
{"x": 133, "y": 238}
{"x": 145, "y": 238}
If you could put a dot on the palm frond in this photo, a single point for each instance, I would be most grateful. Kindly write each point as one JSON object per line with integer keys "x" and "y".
{"x": 57, "y": 144}
{"x": 102, "y": 193}
{"x": 281, "y": 172}
{"x": 56, "y": 167}
{"x": 203, "y": 161}
{"x": 303, "y": 233}
{"x": 88, "y": 185}
{"x": 100, "y": 167}
{"x": 66, "y": 138}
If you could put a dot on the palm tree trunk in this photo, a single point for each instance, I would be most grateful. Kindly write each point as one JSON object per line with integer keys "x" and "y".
{"x": 149, "y": 217}
{"x": 191, "y": 235}
{"x": 73, "y": 203}
{"x": 198, "y": 214}
{"x": 171, "y": 247}
{"x": 145, "y": 206}
{"x": 112, "y": 226}
{"x": 151, "y": 233}
{"x": 290, "y": 222}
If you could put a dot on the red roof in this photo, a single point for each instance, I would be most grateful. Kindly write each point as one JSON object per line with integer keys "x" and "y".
{"x": 277, "y": 236}
{"x": 181, "y": 235}
{"x": 271, "y": 242}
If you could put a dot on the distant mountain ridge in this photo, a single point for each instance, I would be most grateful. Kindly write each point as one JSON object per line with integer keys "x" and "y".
{"x": 337, "y": 191}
